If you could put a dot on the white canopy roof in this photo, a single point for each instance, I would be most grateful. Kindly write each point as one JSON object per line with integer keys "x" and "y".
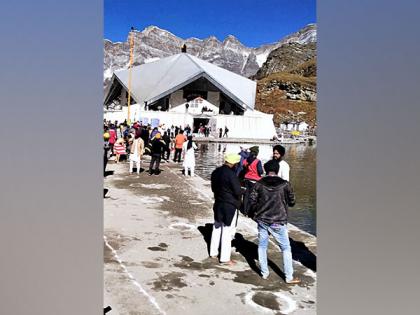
{"x": 154, "y": 80}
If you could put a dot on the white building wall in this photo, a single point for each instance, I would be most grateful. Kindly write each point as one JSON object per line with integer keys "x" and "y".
{"x": 121, "y": 115}
{"x": 137, "y": 114}
{"x": 303, "y": 126}
{"x": 253, "y": 126}
{"x": 247, "y": 127}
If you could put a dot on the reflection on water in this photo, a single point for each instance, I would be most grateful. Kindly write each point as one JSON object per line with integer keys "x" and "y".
{"x": 302, "y": 161}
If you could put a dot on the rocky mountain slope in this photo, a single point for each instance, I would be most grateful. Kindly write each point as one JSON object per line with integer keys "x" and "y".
{"x": 287, "y": 58}
{"x": 306, "y": 69}
{"x": 290, "y": 97}
{"x": 153, "y": 43}
{"x": 287, "y": 83}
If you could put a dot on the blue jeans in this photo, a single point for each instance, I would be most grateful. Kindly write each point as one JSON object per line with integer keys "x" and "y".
{"x": 281, "y": 236}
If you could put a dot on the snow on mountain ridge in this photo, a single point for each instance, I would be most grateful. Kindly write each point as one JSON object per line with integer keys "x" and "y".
{"x": 154, "y": 42}
{"x": 261, "y": 58}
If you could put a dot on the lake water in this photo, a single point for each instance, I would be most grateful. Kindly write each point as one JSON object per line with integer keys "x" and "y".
{"x": 302, "y": 161}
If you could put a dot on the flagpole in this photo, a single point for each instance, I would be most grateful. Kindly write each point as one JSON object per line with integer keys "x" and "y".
{"x": 129, "y": 74}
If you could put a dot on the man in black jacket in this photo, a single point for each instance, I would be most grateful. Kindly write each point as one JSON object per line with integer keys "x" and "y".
{"x": 144, "y": 134}
{"x": 270, "y": 198}
{"x": 166, "y": 150}
{"x": 227, "y": 192}
{"x": 156, "y": 151}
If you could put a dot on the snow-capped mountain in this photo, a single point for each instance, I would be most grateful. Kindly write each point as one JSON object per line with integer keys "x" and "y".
{"x": 153, "y": 43}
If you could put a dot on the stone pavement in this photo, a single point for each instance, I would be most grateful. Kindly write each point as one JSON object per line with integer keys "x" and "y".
{"x": 156, "y": 237}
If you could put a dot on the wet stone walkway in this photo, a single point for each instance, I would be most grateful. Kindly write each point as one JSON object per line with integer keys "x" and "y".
{"x": 156, "y": 237}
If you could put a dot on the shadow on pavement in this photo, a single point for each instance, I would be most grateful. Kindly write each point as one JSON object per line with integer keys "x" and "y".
{"x": 107, "y": 173}
{"x": 135, "y": 170}
{"x": 247, "y": 249}
{"x": 206, "y": 232}
{"x": 302, "y": 254}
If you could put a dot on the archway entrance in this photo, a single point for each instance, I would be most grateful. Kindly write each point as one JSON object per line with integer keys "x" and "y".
{"x": 199, "y": 122}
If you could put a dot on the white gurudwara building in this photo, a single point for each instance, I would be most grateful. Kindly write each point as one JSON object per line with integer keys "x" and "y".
{"x": 183, "y": 90}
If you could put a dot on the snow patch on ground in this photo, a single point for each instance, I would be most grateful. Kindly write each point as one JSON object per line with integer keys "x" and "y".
{"x": 155, "y": 186}
{"x": 182, "y": 226}
{"x": 150, "y": 186}
{"x": 290, "y": 304}
{"x": 154, "y": 199}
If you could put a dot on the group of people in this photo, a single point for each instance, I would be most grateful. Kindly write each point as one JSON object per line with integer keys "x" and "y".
{"x": 238, "y": 185}
{"x": 223, "y": 134}
{"x": 203, "y": 130}
{"x": 266, "y": 200}
{"x": 132, "y": 142}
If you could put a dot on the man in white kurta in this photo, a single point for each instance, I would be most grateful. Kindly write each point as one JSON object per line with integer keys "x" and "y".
{"x": 189, "y": 157}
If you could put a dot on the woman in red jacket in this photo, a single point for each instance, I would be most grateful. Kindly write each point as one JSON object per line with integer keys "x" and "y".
{"x": 112, "y": 138}
{"x": 253, "y": 172}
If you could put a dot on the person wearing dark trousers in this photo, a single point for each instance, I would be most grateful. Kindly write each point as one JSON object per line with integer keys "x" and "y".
{"x": 226, "y": 132}
{"x": 166, "y": 150}
{"x": 220, "y": 132}
{"x": 207, "y": 131}
{"x": 144, "y": 134}
{"x": 253, "y": 171}
{"x": 157, "y": 148}
{"x": 177, "y": 156}
{"x": 179, "y": 142}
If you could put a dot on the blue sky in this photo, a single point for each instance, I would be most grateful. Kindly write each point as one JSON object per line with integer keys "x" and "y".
{"x": 253, "y": 22}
